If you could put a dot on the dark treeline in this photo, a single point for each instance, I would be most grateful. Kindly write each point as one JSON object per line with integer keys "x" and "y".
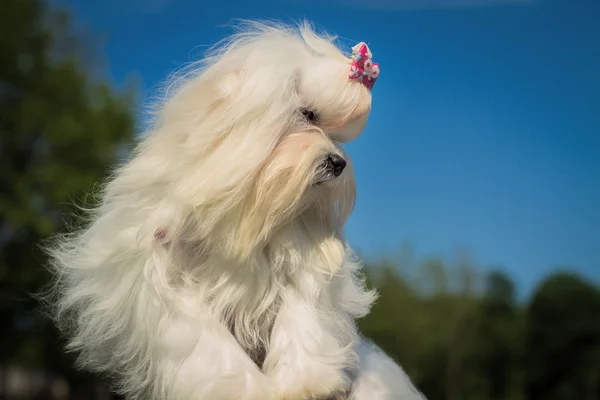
{"x": 459, "y": 336}
{"x": 475, "y": 340}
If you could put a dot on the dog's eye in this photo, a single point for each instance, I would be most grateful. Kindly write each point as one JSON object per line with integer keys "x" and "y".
{"x": 310, "y": 115}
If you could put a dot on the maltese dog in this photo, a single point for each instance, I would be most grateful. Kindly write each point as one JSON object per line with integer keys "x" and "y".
{"x": 215, "y": 266}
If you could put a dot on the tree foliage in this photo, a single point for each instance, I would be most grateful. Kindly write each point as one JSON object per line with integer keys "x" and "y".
{"x": 60, "y": 128}
{"x": 489, "y": 346}
{"x": 563, "y": 340}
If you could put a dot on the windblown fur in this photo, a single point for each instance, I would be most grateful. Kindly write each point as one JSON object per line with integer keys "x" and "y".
{"x": 215, "y": 266}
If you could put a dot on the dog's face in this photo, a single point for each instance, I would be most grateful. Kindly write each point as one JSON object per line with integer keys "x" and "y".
{"x": 258, "y": 137}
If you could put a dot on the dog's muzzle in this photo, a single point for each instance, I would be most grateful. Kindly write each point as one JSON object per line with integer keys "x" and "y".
{"x": 331, "y": 168}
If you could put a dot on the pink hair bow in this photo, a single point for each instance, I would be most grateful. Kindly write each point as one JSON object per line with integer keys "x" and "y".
{"x": 363, "y": 67}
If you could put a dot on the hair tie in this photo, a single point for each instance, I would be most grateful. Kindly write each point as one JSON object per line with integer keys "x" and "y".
{"x": 363, "y": 67}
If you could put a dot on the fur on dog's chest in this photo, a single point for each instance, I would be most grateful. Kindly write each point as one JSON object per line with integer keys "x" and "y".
{"x": 249, "y": 311}
{"x": 260, "y": 326}
{"x": 247, "y": 297}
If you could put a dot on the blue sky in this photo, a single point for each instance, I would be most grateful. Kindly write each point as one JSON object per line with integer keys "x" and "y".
{"x": 485, "y": 129}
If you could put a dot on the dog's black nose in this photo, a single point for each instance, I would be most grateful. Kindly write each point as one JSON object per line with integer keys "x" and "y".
{"x": 337, "y": 164}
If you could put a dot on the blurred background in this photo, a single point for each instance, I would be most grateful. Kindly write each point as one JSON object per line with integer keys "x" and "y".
{"x": 478, "y": 212}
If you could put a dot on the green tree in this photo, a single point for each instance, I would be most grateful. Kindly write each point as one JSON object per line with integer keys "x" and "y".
{"x": 563, "y": 340}
{"x": 60, "y": 127}
{"x": 498, "y": 336}
{"x": 429, "y": 326}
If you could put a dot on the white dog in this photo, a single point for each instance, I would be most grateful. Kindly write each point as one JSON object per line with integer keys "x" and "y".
{"x": 215, "y": 267}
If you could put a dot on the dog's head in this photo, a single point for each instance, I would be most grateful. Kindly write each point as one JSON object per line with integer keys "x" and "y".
{"x": 251, "y": 139}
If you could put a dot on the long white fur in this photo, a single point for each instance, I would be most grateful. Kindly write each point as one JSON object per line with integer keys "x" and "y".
{"x": 251, "y": 255}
